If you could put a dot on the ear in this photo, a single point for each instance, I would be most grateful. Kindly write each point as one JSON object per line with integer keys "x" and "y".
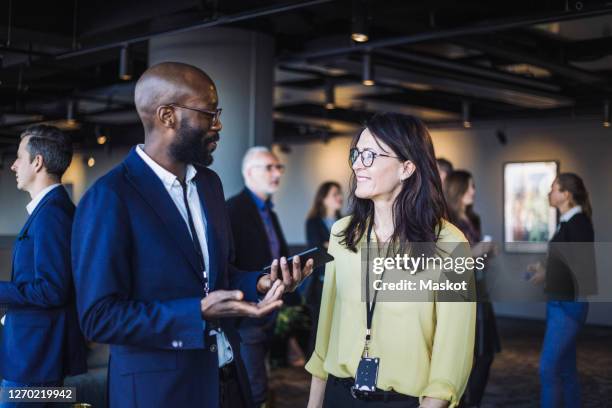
{"x": 167, "y": 116}
{"x": 38, "y": 163}
{"x": 407, "y": 170}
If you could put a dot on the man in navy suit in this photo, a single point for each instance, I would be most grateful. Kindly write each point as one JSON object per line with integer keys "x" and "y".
{"x": 42, "y": 342}
{"x": 151, "y": 253}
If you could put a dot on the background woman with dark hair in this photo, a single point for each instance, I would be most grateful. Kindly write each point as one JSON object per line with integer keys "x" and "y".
{"x": 425, "y": 349}
{"x": 324, "y": 213}
{"x": 460, "y": 191}
{"x": 565, "y": 316}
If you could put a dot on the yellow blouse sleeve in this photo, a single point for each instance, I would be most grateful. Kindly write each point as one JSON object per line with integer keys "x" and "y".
{"x": 453, "y": 348}
{"x": 328, "y": 298}
{"x": 453, "y": 351}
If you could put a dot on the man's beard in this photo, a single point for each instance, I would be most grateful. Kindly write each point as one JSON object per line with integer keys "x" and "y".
{"x": 191, "y": 146}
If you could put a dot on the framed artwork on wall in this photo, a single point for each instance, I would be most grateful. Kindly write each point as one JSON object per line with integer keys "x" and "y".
{"x": 529, "y": 220}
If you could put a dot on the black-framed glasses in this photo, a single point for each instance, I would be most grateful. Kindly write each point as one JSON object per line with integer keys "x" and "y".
{"x": 214, "y": 114}
{"x": 367, "y": 156}
{"x": 269, "y": 167}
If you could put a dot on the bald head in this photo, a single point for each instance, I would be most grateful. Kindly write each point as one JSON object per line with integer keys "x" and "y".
{"x": 172, "y": 82}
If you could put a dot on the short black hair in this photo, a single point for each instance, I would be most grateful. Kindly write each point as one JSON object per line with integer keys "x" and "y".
{"x": 52, "y": 144}
{"x": 445, "y": 165}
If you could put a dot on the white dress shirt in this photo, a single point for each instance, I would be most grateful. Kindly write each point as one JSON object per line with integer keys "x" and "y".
{"x": 36, "y": 200}
{"x": 175, "y": 190}
{"x": 568, "y": 215}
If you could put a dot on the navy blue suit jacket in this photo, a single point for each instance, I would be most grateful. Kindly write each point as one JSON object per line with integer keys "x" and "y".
{"x": 42, "y": 341}
{"x": 139, "y": 287}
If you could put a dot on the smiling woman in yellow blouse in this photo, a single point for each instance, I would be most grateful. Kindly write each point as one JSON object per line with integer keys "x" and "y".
{"x": 424, "y": 349}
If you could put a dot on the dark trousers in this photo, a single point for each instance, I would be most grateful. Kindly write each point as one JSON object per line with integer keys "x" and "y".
{"x": 477, "y": 383}
{"x": 338, "y": 395}
{"x": 230, "y": 394}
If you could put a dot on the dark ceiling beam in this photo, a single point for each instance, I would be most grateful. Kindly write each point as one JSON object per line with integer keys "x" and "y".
{"x": 506, "y": 51}
{"x": 314, "y": 110}
{"x": 446, "y": 34}
{"x": 222, "y": 20}
{"x": 395, "y": 73}
{"x": 439, "y": 101}
{"x": 468, "y": 69}
{"x": 588, "y": 50}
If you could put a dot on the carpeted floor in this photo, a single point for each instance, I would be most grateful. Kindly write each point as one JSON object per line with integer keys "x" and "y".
{"x": 514, "y": 378}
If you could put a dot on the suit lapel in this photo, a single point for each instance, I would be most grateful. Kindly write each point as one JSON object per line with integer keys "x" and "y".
{"x": 151, "y": 188}
{"x": 23, "y": 234}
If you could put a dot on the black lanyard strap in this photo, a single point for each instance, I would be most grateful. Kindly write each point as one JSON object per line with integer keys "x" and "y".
{"x": 369, "y": 308}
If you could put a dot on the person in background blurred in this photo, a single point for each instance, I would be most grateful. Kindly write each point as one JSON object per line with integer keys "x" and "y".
{"x": 460, "y": 191}
{"x": 325, "y": 211}
{"x": 258, "y": 239}
{"x": 564, "y": 315}
{"x": 445, "y": 168}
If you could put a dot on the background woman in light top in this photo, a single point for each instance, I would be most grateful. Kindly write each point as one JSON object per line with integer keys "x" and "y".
{"x": 425, "y": 348}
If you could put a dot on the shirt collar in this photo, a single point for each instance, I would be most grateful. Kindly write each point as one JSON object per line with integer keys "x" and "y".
{"x": 570, "y": 213}
{"x": 36, "y": 200}
{"x": 167, "y": 178}
{"x": 261, "y": 204}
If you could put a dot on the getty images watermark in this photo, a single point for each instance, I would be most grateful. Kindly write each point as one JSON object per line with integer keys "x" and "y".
{"x": 448, "y": 271}
{"x": 420, "y": 272}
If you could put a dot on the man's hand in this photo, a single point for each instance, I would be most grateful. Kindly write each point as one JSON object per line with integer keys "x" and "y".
{"x": 291, "y": 278}
{"x": 229, "y": 303}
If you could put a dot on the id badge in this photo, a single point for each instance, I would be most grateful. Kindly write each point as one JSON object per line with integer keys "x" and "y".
{"x": 367, "y": 374}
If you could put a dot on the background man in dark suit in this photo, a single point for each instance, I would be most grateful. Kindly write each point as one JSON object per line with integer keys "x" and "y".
{"x": 42, "y": 342}
{"x": 151, "y": 253}
{"x": 258, "y": 239}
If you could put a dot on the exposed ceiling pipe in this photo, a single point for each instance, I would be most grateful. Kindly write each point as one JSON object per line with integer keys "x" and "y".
{"x": 230, "y": 19}
{"x": 444, "y": 34}
{"x": 468, "y": 69}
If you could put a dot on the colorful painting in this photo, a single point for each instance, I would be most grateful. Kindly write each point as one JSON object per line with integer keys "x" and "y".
{"x": 529, "y": 221}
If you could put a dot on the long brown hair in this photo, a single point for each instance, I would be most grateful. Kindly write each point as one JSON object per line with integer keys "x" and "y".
{"x": 573, "y": 184}
{"x": 456, "y": 185}
{"x": 419, "y": 209}
{"x": 318, "y": 207}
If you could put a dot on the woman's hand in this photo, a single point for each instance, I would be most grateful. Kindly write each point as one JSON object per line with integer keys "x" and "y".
{"x": 429, "y": 402}
{"x": 483, "y": 248}
{"x": 539, "y": 273}
{"x": 317, "y": 391}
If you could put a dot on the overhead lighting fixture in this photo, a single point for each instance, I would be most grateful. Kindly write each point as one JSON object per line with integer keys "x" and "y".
{"x": 465, "y": 114}
{"x": 125, "y": 64}
{"x": 91, "y": 161}
{"x": 368, "y": 70}
{"x": 359, "y": 22}
{"x": 330, "y": 95}
{"x": 100, "y": 137}
{"x": 606, "y": 118}
{"x": 70, "y": 112}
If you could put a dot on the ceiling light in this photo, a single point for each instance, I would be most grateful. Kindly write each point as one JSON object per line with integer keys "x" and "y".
{"x": 125, "y": 64}
{"x": 465, "y": 114}
{"x": 368, "y": 70}
{"x": 359, "y": 22}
